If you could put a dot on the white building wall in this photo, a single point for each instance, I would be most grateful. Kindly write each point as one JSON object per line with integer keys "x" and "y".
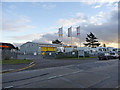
{"x": 84, "y": 48}
{"x": 69, "y": 49}
{"x": 30, "y": 48}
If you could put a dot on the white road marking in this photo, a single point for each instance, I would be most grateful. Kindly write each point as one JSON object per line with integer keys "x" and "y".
{"x": 8, "y": 87}
{"x": 64, "y": 74}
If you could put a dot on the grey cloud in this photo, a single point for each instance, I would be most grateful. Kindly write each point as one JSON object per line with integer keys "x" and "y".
{"x": 107, "y": 32}
{"x": 78, "y": 18}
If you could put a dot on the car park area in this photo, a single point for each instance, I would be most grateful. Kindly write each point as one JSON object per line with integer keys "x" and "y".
{"x": 108, "y": 55}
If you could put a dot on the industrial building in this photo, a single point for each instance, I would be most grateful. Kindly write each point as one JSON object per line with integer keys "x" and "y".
{"x": 8, "y": 51}
{"x": 38, "y": 48}
{"x": 33, "y": 48}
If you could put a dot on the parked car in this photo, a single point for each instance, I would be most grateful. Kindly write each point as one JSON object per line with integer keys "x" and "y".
{"x": 104, "y": 56}
{"x": 114, "y": 55}
{"x": 119, "y": 55}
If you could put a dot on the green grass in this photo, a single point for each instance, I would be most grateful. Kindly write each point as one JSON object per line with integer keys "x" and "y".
{"x": 14, "y": 61}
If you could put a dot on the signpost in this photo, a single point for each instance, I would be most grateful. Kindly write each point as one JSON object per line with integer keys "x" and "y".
{"x": 50, "y": 54}
{"x": 81, "y": 53}
{"x": 73, "y": 53}
{"x": 78, "y": 34}
{"x": 70, "y": 33}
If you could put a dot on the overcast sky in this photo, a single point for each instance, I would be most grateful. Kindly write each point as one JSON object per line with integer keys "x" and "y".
{"x": 39, "y": 21}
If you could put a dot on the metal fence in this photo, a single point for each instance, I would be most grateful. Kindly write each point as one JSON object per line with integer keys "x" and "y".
{"x": 50, "y": 55}
{"x": 67, "y": 54}
{"x": 8, "y": 54}
{"x": 30, "y": 56}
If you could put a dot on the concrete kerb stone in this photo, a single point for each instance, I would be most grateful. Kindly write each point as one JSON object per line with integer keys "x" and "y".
{"x": 28, "y": 66}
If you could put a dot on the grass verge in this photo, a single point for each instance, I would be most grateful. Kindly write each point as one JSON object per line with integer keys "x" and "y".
{"x": 16, "y": 61}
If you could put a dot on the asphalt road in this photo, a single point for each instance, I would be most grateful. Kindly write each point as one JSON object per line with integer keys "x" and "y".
{"x": 7, "y": 67}
{"x": 93, "y": 74}
{"x": 46, "y": 63}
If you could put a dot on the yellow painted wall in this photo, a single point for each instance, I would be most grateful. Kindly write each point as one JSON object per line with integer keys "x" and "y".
{"x": 43, "y": 48}
{"x": 50, "y": 49}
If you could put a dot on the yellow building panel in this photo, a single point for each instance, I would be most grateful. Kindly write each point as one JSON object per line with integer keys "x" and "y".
{"x": 50, "y": 49}
{"x": 43, "y": 48}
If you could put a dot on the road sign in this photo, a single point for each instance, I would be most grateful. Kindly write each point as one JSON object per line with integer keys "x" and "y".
{"x": 73, "y": 53}
{"x": 50, "y": 53}
{"x": 81, "y": 53}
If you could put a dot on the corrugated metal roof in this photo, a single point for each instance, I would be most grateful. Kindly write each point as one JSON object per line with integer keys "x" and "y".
{"x": 43, "y": 44}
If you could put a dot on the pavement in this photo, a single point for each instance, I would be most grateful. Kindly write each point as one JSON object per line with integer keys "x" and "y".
{"x": 99, "y": 74}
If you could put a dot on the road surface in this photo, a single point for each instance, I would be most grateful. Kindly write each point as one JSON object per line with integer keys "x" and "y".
{"x": 45, "y": 63}
{"x": 98, "y": 74}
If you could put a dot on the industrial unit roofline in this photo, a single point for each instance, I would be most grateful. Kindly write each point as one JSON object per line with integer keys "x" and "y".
{"x": 48, "y": 45}
{"x": 43, "y": 44}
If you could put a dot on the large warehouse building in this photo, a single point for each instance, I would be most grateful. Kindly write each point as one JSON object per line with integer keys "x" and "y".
{"x": 37, "y": 48}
